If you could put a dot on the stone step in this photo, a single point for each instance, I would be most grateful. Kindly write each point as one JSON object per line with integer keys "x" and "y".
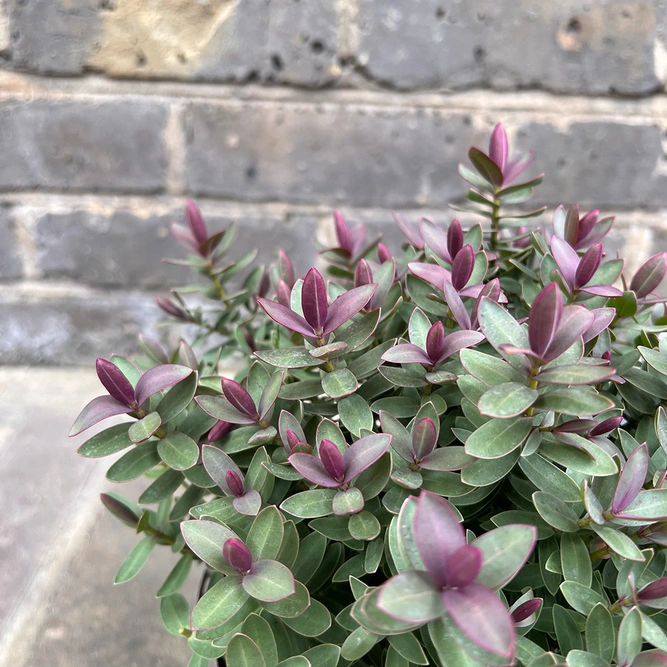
{"x": 60, "y": 549}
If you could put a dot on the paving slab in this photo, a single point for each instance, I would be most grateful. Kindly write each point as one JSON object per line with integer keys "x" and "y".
{"x": 60, "y": 549}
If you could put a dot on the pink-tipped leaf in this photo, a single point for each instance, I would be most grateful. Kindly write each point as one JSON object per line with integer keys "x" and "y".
{"x": 195, "y": 222}
{"x": 286, "y": 317}
{"x": 217, "y": 464}
{"x": 545, "y": 316}
{"x": 313, "y": 470}
{"x": 410, "y": 230}
{"x": 239, "y": 397}
{"x": 456, "y": 306}
{"x": 158, "y": 379}
{"x": 649, "y": 275}
{"x": 498, "y": 146}
{"x": 566, "y": 258}
{"x": 454, "y": 238}
{"x": 435, "y": 341}
{"x": 435, "y": 239}
{"x": 347, "y": 305}
{"x": 574, "y": 322}
{"x": 457, "y": 341}
{"x": 632, "y": 479}
{"x": 98, "y": 409}
{"x": 406, "y": 353}
{"x": 363, "y": 454}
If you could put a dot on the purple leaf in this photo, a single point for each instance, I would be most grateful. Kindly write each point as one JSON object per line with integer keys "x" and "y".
{"x": 654, "y": 591}
{"x": 363, "y": 454}
{"x": 237, "y": 555}
{"x": 606, "y": 426}
{"x": 431, "y": 273}
{"x": 603, "y": 317}
{"x": 285, "y": 269}
{"x": 545, "y": 316}
{"x": 588, "y": 265}
{"x": 410, "y": 230}
{"x": 438, "y": 534}
{"x": 313, "y": 470}
{"x": 283, "y": 294}
{"x": 574, "y": 322}
{"x": 456, "y": 306}
{"x": 447, "y": 459}
{"x": 363, "y": 274}
{"x": 424, "y": 436}
{"x": 332, "y": 460}
{"x": 632, "y": 479}
{"x": 195, "y": 221}
{"x": 486, "y": 167}
{"x": 435, "y": 341}
{"x": 358, "y": 236}
{"x": 234, "y": 483}
{"x": 159, "y": 378}
{"x": 462, "y": 267}
{"x": 314, "y": 300}
{"x": 347, "y": 305}
{"x": 457, "y": 341}
{"x": 586, "y": 224}
{"x": 482, "y": 617}
{"x": 184, "y": 236}
{"x": 249, "y": 503}
{"x": 219, "y": 431}
{"x": 383, "y": 253}
{"x": 239, "y": 397}
{"x": 463, "y": 566}
{"x": 575, "y": 426}
{"x": 113, "y": 380}
{"x": 287, "y": 317}
{"x": 516, "y": 167}
{"x": 98, "y": 409}
{"x": 602, "y": 290}
{"x": 526, "y": 610}
{"x": 342, "y": 232}
{"x": 406, "y": 353}
{"x": 566, "y": 258}
{"x": 649, "y": 275}
{"x": 222, "y": 409}
{"x": 435, "y": 239}
{"x": 498, "y": 146}
{"x": 599, "y": 231}
{"x": 454, "y": 238}
{"x": 217, "y": 464}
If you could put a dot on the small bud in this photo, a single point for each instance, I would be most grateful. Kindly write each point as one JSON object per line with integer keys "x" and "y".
{"x": 463, "y": 566}
{"x": 235, "y": 483}
{"x": 654, "y": 591}
{"x": 285, "y": 269}
{"x": 606, "y": 426}
{"x": 172, "y": 309}
{"x": 454, "y": 239}
{"x": 435, "y": 342}
{"x": 237, "y": 555}
{"x": 219, "y": 431}
{"x": 296, "y": 446}
{"x": 526, "y": 609}
{"x": 649, "y": 275}
{"x": 195, "y": 221}
{"x": 239, "y": 398}
{"x": 332, "y": 460}
{"x": 363, "y": 274}
{"x": 383, "y": 253}
{"x": 424, "y": 436}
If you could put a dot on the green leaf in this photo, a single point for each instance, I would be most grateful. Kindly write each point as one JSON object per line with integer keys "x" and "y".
{"x": 490, "y": 370}
{"x": 310, "y": 504}
{"x": 364, "y": 526}
{"x": 355, "y": 414}
{"x": 288, "y": 357}
{"x": 486, "y": 167}
{"x": 177, "y": 398}
{"x": 300, "y": 390}
{"x": 407, "y": 646}
{"x": 360, "y": 642}
{"x": 576, "y": 374}
{"x": 600, "y": 633}
{"x": 500, "y": 328}
{"x": 509, "y": 399}
{"x": 324, "y": 655}
{"x": 374, "y": 479}
{"x": 580, "y": 597}
{"x": 555, "y": 512}
{"x": 373, "y": 555}
{"x": 175, "y": 613}
{"x": 268, "y": 581}
{"x": 359, "y": 331}
{"x": 655, "y": 359}
{"x": 107, "y": 442}
{"x": 291, "y": 606}
{"x": 548, "y": 477}
{"x": 162, "y": 487}
{"x": 339, "y": 383}
{"x": 484, "y": 472}
{"x": 575, "y": 560}
{"x": 498, "y": 437}
{"x": 178, "y": 451}
{"x": 289, "y": 549}
{"x": 567, "y": 632}
{"x": 412, "y": 597}
{"x": 311, "y": 554}
{"x": 176, "y": 578}
{"x": 629, "y": 637}
{"x": 504, "y": 551}
{"x": 583, "y": 659}
{"x": 266, "y": 534}
{"x": 588, "y": 459}
{"x": 314, "y": 621}
{"x": 270, "y": 394}
{"x": 243, "y": 652}
{"x": 219, "y": 603}
{"x": 619, "y": 542}
{"x": 134, "y": 463}
{"x": 573, "y": 401}
{"x": 135, "y": 560}
{"x": 143, "y": 429}
{"x": 348, "y": 502}
{"x": 205, "y": 649}
{"x": 206, "y": 539}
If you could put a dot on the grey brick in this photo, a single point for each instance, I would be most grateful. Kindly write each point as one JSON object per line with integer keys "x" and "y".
{"x": 598, "y": 164}
{"x": 331, "y": 155}
{"x": 119, "y": 249}
{"x": 10, "y": 259}
{"x": 570, "y": 46}
{"x": 57, "y": 330}
{"x": 110, "y": 146}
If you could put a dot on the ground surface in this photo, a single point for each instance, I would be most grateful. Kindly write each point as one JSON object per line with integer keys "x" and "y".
{"x": 60, "y": 549}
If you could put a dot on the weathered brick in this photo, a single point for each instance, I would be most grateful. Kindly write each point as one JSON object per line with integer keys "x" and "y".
{"x": 325, "y": 154}
{"x": 54, "y": 329}
{"x": 598, "y": 163}
{"x": 570, "y": 46}
{"x": 219, "y": 40}
{"x": 10, "y": 258}
{"x": 114, "y": 146}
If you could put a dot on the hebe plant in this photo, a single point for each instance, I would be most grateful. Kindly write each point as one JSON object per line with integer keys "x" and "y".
{"x": 452, "y": 457}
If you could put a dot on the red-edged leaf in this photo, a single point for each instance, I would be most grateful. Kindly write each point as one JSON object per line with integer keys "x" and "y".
{"x": 347, "y": 305}
{"x": 113, "y": 380}
{"x": 447, "y": 459}
{"x": 435, "y": 239}
{"x": 602, "y": 290}
{"x": 602, "y": 318}
{"x": 462, "y": 267}
{"x": 435, "y": 341}
{"x": 482, "y": 618}
{"x": 184, "y": 236}
{"x": 222, "y": 409}
{"x": 406, "y": 353}
{"x": 649, "y": 275}
{"x": 431, "y": 273}
{"x": 239, "y": 397}
{"x": 158, "y": 379}
{"x": 566, "y": 258}
{"x": 410, "y": 230}
{"x": 249, "y": 503}
{"x": 364, "y": 453}
{"x": 456, "y": 306}
{"x": 486, "y": 167}
{"x": 98, "y": 409}
{"x": 217, "y": 465}
{"x": 516, "y": 167}
{"x": 424, "y": 438}
{"x": 574, "y": 322}
{"x": 463, "y": 566}
{"x": 195, "y": 221}
{"x": 342, "y": 232}
{"x": 457, "y": 341}
{"x": 588, "y": 265}
{"x": 632, "y": 479}
{"x": 313, "y": 470}
{"x": 288, "y": 318}
{"x": 314, "y": 300}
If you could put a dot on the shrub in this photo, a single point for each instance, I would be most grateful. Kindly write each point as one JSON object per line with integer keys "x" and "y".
{"x": 453, "y": 457}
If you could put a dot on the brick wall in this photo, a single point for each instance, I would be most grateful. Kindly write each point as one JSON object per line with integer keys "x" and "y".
{"x": 273, "y": 112}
